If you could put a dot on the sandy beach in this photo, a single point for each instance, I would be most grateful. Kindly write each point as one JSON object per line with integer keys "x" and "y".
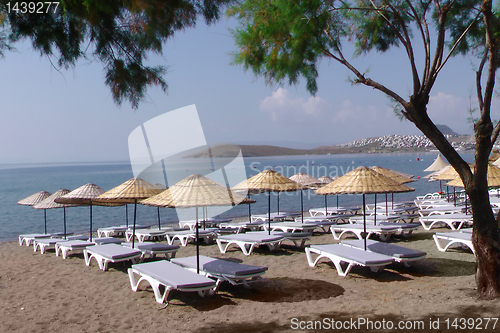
{"x": 44, "y": 293}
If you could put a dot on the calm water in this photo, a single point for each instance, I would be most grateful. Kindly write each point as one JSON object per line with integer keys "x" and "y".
{"x": 20, "y": 181}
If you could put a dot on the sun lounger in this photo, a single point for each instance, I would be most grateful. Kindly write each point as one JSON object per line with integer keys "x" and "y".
{"x": 185, "y": 236}
{"x": 154, "y": 249}
{"x": 244, "y": 226}
{"x": 265, "y": 217}
{"x": 112, "y": 231}
{"x": 104, "y": 254}
{"x": 43, "y": 244}
{"x": 248, "y": 241}
{"x": 292, "y": 226}
{"x": 345, "y": 257}
{"x": 63, "y": 247}
{"x": 27, "y": 239}
{"x": 327, "y": 211}
{"x": 454, "y": 221}
{"x": 297, "y": 238}
{"x": 444, "y": 240}
{"x": 404, "y": 229}
{"x": 170, "y": 276}
{"x": 223, "y": 270}
{"x": 106, "y": 240}
{"x": 398, "y": 253}
{"x": 384, "y": 232}
{"x": 208, "y": 223}
{"x": 146, "y": 234}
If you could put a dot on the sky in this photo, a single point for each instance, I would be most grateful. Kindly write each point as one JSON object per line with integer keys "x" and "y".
{"x": 52, "y": 116}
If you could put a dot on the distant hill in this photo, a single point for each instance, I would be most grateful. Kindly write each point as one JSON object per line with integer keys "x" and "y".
{"x": 383, "y": 144}
{"x": 446, "y": 130}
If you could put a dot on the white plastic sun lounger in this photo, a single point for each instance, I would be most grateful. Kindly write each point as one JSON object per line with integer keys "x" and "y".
{"x": 106, "y": 240}
{"x": 329, "y": 210}
{"x": 63, "y": 247}
{"x": 248, "y": 241}
{"x": 186, "y": 236}
{"x": 265, "y": 217}
{"x": 297, "y": 238}
{"x": 292, "y": 226}
{"x": 104, "y": 254}
{"x": 146, "y": 234}
{"x": 404, "y": 229}
{"x": 112, "y": 231}
{"x": 170, "y": 276}
{"x": 43, "y": 244}
{"x": 398, "y": 253}
{"x": 384, "y": 232}
{"x": 454, "y": 221}
{"x": 223, "y": 270}
{"x": 154, "y": 249}
{"x": 28, "y": 238}
{"x": 244, "y": 226}
{"x": 345, "y": 257}
{"x": 444, "y": 240}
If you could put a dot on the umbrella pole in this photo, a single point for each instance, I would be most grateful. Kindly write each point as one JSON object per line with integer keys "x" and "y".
{"x": 249, "y": 209}
{"x": 159, "y": 223}
{"x": 45, "y": 218}
{"x": 126, "y": 214}
{"x": 64, "y": 219}
{"x": 133, "y": 229}
{"x": 392, "y": 200}
{"x": 454, "y": 197}
{"x": 269, "y": 212}
{"x": 278, "y": 202}
{"x": 386, "y": 206}
{"x": 326, "y": 205}
{"x": 375, "y": 217}
{"x": 90, "y": 222}
{"x": 440, "y": 187}
{"x": 337, "y": 202}
{"x": 364, "y": 222}
{"x": 204, "y": 216}
{"x": 302, "y": 204}
{"x": 447, "y": 194}
{"x": 197, "y": 245}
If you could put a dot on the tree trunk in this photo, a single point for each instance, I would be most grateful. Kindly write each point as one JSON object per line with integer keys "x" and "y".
{"x": 486, "y": 234}
{"x": 486, "y": 241}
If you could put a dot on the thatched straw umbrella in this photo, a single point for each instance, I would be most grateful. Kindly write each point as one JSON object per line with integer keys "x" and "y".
{"x": 50, "y": 203}
{"x": 196, "y": 191}
{"x": 397, "y": 176}
{"x": 268, "y": 181}
{"x": 33, "y": 200}
{"x": 363, "y": 180}
{"x": 306, "y": 181}
{"x": 85, "y": 196}
{"x": 129, "y": 192}
{"x": 492, "y": 176}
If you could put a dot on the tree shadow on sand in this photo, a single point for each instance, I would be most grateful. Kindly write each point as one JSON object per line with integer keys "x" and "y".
{"x": 470, "y": 318}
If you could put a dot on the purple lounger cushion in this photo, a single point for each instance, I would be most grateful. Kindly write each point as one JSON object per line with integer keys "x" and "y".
{"x": 391, "y": 250}
{"x": 173, "y": 275}
{"x": 107, "y": 240}
{"x": 219, "y": 266}
{"x": 113, "y": 251}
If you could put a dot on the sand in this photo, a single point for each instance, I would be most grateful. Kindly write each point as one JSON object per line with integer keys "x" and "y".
{"x": 44, "y": 293}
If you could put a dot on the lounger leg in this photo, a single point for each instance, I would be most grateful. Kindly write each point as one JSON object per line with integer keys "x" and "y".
{"x": 221, "y": 247}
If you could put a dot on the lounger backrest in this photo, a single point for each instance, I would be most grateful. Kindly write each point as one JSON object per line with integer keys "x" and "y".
{"x": 173, "y": 275}
{"x": 387, "y": 249}
{"x": 351, "y": 253}
{"x": 114, "y": 251}
{"x": 219, "y": 266}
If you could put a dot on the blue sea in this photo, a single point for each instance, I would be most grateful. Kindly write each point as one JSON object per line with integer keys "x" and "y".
{"x": 20, "y": 181}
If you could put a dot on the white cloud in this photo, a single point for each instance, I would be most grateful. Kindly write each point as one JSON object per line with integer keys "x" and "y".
{"x": 450, "y": 110}
{"x": 285, "y": 108}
